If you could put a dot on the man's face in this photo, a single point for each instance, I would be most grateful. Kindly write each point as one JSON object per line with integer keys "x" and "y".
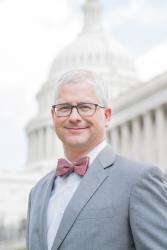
{"x": 76, "y": 132}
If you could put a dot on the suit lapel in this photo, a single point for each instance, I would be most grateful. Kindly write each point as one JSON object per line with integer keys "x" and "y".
{"x": 43, "y": 214}
{"x": 94, "y": 177}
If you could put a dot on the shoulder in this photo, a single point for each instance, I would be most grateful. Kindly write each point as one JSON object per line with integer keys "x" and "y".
{"x": 135, "y": 171}
{"x": 126, "y": 168}
{"x": 137, "y": 167}
{"x": 42, "y": 183}
{"x": 146, "y": 180}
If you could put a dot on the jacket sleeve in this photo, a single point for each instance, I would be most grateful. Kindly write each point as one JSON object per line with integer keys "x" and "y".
{"x": 148, "y": 211}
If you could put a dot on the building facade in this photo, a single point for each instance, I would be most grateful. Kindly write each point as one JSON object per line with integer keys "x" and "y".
{"x": 139, "y": 125}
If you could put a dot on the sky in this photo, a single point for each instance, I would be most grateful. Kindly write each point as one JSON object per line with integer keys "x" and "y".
{"x": 33, "y": 32}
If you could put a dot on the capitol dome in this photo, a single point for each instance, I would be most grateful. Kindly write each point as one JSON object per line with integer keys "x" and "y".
{"x": 105, "y": 54}
{"x": 97, "y": 51}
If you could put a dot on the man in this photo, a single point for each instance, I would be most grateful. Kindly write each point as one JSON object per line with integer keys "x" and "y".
{"x": 112, "y": 204}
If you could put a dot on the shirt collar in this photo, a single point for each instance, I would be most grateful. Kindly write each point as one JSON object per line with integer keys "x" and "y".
{"x": 95, "y": 151}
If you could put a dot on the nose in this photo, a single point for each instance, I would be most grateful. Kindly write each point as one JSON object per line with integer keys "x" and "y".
{"x": 74, "y": 115}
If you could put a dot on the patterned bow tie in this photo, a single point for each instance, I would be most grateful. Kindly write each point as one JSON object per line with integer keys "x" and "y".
{"x": 80, "y": 167}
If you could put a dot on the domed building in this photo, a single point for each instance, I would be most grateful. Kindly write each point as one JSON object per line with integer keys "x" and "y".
{"x": 93, "y": 49}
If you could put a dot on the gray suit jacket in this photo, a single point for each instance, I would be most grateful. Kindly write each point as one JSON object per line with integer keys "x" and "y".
{"x": 120, "y": 204}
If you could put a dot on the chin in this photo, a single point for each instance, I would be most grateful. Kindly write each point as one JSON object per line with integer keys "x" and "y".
{"x": 78, "y": 144}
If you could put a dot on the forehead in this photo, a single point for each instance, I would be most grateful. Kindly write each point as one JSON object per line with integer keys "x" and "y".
{"x": 80, "y": 92}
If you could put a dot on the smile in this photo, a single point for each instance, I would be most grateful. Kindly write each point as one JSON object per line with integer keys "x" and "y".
{"x": 76, "y": 128}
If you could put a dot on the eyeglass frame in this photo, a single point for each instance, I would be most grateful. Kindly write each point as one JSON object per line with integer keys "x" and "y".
{"x": 76, "y": 106}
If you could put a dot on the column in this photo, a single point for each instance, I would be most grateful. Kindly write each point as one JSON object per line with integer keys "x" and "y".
{"x": 34, "y": 145}
{"x": 148, "y": 136}
{"x": 44, "y": 143}
{"x": 136, "y": 132}
{"x": 48, "y": 141}
{"x": 160, "y": 137}
{"x": 115, "y": 140}
{"x": 30, "y": 147}
{"x": 40, "y": 143}
{"x": 125, "y": 134}
{"x": 37, "y": 145}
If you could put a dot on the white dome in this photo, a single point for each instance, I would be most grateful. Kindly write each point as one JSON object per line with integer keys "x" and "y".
{"x": 103, "y": 54}
{"x": 95, "y": 50}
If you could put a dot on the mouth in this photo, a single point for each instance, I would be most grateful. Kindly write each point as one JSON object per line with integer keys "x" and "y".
{"x": 76, "y": 128}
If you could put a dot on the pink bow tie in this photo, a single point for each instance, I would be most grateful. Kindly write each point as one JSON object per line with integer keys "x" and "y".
{"x": 80, "y": 167}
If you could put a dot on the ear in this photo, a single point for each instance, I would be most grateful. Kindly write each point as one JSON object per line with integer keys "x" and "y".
{"x": 108, "y": 115}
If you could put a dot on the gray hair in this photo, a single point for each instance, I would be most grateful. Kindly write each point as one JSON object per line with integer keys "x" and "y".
{"x": 84, "y": 76}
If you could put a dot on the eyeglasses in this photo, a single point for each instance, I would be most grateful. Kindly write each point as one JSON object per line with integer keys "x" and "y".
{"x": 83, "y": 109}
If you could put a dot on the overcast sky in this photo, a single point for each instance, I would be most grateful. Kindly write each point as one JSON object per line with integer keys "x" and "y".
{"x": 32, "y": 32}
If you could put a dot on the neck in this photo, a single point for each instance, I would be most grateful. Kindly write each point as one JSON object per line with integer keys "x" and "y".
{"x": 75, "y": 154}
